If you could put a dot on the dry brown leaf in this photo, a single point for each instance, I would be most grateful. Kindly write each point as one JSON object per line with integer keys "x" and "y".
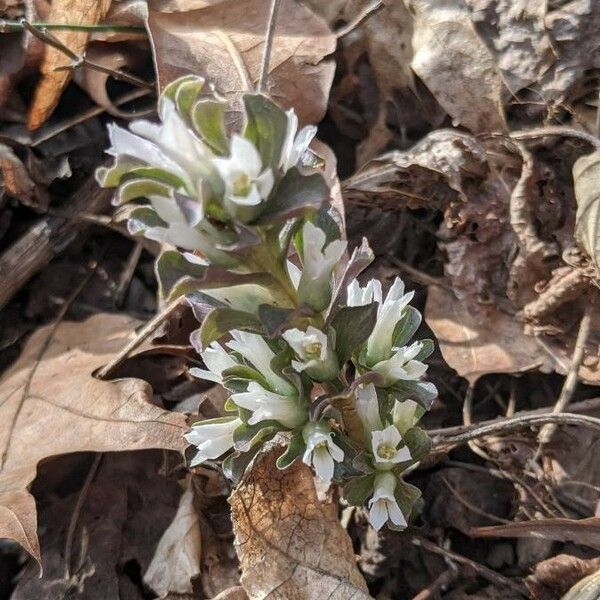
{"x": 474, "y": 344}
{"x": 291, "y": 546}
{"x": 224, "y": 42}
{"x": 583, "y": 531}
{"x": 558, "y": 574}
{"x": 586, "y": 176}
{"x": 49, "y": 89}
{"x": 456, "y": 66}
{"x": 176, "y": 560}
{"x": 17, "y": 182}
{"x": 50, "y": 404}
{"x": 516, "y": 35}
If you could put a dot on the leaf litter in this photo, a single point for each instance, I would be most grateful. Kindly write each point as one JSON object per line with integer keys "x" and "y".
{"x": 466, "y": 134}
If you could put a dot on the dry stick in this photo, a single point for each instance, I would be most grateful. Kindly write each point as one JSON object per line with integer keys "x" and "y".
{"x": 419, "y": 276}
{"x": 81, "y": 61}
{"x": 537, "y": 132}
{"x": 570, "y": 383}
{"x": 270, "y": 33}
{"x": 77, "y": 511}
{"x": 363, "y": 15}
{"x": 127, "y": 275}
{"x": 146, "y": 331}
{"x": 438, "y": 584}
{"x": 47, "y": 238}
{"x": 509, "y": 425}
{"x": 486, "y": 573}
{"x": 17, "y": 26}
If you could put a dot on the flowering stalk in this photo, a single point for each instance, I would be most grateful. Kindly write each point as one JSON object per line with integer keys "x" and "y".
{"x": 251, "y": 240}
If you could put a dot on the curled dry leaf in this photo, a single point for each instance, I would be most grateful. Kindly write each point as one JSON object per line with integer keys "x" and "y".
{"x": 49, "y": 89}
{"x": 17, "y": 182}
{"x": 586, "y": 176}
{"x": 474, "y": 344}
{"x": 291, "y": 546}
{"x": 50, "y": 404}
{"x": 456, "y": 66}
{"x": 224, "y": 42}
{"x": 177, "y": 557}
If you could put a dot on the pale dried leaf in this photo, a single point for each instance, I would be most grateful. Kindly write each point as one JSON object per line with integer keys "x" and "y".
{"x": 515, "y": 33}
{"x": 291, "y": 546}
{"x": 49, "y": 89}
{"x": 456, "y": 66}
{"x": 17, "y": 182}
{"x": 475, "y": 344}
{"x": 224, "y": 43}
{"x": 586, "y": 176}
{"x": 176, "y": 560}
{"x": 51, "y": 404}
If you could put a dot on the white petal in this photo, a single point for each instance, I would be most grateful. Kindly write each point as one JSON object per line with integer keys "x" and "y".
{"x": 367, "y": 407}
{"x": 295, "y": 273}
{"x": 402, "y": 455}
{"x": 395, "y": 514}
{"x": 415, "y": 369}
{"x": 264, "y": 183}
{"x": 376, "y": 440}
{"x": 288, "y": 142}
{"x": 253, "y": 198}
{"x": 323, "y": 463}
{"x": 301, "y": 143}
{"x": 204, "y": 374}
{"x": 245, "y": 155}
{"x": 294, "y": 337}
{"x": 396, "y": 291}
{"x": 336, "y": 452}
{"x": 390, "y": 435}
{"x": 378, "y": 514}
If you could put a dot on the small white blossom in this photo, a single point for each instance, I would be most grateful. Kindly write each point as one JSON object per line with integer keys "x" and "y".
{"x": 321, "y": 451}
{"x": 294, "y": 146}
{"x": 212, "y": 438}
{"x": 385, "y": 444}
{"x": 314, "y": 352}
{"x": 383, "y": 506}
{"x": 257, "y": 352}
{"x": 405, "y": 415}
{"x": 389, "y": 312}
{"x": 246, "y": 183}
{"x": 318, "y": 263}
{"x": 401, "y": 365}
{"x": 367, "y": 408}
{"x": 266, "y": 406}
{"x": 215, "y": 357}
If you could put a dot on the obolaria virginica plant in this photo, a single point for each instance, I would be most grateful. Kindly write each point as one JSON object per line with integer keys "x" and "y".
{"x": 258, "y": 252}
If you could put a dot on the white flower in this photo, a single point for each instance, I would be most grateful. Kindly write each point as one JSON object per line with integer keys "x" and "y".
{"x": 405, "y": 415}
{"x": 383, "y": 505}
{"x": 246, "y": 183}
{"x": 389, "y": 312}
{"x": 215, "y": 357}
{"x": 318, "y": 263}
{"x": 212, "y": 438}
{"x": 367, "y": 408}
{"x": 321, "y": 450}
{"x": 401, "y": 365}
{"x": 385, "y": 443}
{"x": 266, "y": 406}
{"x": 256, "y": 351}
{"x": 294, "y": 146}
{"x": 315, "y": 353}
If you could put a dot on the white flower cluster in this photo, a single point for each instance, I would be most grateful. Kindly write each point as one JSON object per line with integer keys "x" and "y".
{"x": 303, "y": 349}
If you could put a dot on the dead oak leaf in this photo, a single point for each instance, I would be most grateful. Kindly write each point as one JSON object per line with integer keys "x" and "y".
{"x": 50, "y": 404}
{"x": 49, "y": 89}
{"x": 291, "y": 546}
{"x": 224, "y": 42}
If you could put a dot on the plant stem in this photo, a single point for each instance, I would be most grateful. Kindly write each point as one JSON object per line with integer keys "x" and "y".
{"x": 16, "y": 26}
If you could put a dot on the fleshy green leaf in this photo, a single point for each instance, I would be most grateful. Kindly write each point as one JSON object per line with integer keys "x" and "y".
{"x": 295, "y": 448}
{"x": 111, "y": 176}
{"x": 428, "y": 346}
{"x": 358, "y": 490}
{"x": 246, "y": 436}
{"x": 142, "y": 218}
{"x": 418, "y": 442}
{"x": 406, "y": 496}
{"x": 407, "y": 326}
{"x": 208, "y": 119}
{"x": 294, "y": 194}
{"x": 352, "y": 325}
{"x": 172, "y": 267}
{"x": 220, "y": 321}
{"x": 266, "y": 127}
{"x": 141, "y": 188}
{"x": 423, "y": 392}
{"x": 187, "y": 93}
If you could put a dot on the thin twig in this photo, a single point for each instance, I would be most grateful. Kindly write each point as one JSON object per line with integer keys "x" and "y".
{"x": 439, "y": 583}
{"x": 363, "y": 15}
{"x": 570, "y": 383}
{"x": 419, "y": 276}
{"x": 482, "y": 570}
{"x": 270, "y": 33}
{"x": 16, "y": 26}
{"x": 77, "y": 511}
{"x": 82, "y": 61}
{"x": 537, "y": 132}
{"x": 236, "y": 59}
{"x": 127, "y": 275}
{"x": 509, "y": 425}
{"x": 144, "y": 333}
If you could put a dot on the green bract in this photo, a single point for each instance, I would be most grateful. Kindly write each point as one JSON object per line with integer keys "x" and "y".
{"x": 252, "y": 242}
